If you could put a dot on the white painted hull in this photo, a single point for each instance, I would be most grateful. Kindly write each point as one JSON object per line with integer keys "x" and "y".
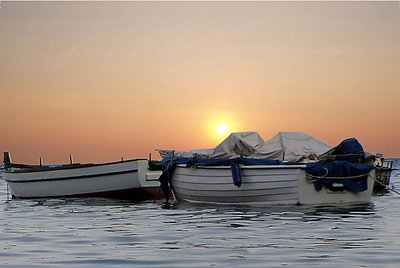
{"x": 286, "y": 184}
{"x": 94, "y": 180}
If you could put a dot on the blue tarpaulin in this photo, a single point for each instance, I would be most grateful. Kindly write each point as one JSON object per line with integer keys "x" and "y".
{"x": 192, "y": 161}
{"x": 343, "y": 166}
{"x": 353, "y": 176}
{"x": 348, "y": 150}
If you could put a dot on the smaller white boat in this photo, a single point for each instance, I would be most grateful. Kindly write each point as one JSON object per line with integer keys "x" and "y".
{"x": 129, "y": 179}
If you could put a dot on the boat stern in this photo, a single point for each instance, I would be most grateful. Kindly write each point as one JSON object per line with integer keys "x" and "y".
{"x": 333, "y": 193}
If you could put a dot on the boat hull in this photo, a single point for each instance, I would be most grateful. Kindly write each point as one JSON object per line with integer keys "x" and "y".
{"x": 283, "y": 184}
{"x": 126, "y": 179}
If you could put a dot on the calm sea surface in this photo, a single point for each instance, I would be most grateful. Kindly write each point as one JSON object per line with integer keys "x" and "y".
{"x": 108, "y": 233}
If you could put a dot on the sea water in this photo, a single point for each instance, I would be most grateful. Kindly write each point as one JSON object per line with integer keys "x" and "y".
{"x": 91, "y": 232}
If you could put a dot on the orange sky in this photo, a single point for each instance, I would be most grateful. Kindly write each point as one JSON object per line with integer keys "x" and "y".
{"x": 105, "y": 80}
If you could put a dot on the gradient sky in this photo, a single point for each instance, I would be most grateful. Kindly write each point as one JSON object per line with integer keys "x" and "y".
{"x": 105, "y": 80}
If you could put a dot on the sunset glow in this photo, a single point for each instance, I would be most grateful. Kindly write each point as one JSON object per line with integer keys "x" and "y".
{"x": 105, "y": 80}
{"x": 222, "y": 129}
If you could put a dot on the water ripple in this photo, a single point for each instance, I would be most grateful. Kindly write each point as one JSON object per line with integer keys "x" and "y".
{"x": 98, "y": 232}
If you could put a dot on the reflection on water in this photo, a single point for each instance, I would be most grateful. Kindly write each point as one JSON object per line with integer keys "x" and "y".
{"x": 110, "y": 233}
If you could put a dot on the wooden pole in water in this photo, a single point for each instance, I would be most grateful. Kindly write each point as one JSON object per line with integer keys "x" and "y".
{"x": 8, "y": 194}
{"x": 40, "y": 161}
{"x": 149, "y": 156}
{"x": 70, "y": 159}
{"x": 7, "y": 159}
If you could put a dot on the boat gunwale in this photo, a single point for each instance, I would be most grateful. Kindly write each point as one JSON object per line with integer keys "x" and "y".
{"x": 285, "y": 166}
{"x": 34, "y": 168}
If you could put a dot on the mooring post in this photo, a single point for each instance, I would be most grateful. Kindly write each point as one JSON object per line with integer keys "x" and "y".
{"x": 8, "y": 194}
{"x": 7, "y": 160}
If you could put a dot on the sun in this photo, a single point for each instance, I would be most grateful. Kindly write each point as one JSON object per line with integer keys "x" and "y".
{"x": 222, "y": 129}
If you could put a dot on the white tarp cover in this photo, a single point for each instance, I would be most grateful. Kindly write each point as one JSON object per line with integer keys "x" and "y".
{"x": 239, "y": 143}
{"x": 293, "y": 147}
{"x": 284, "y": 146}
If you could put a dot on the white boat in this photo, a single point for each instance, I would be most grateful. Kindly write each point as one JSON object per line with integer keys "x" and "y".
{"x": 261, "y": 185}
{"x": 130, "y": 179}
{"x": 237, "y": 177}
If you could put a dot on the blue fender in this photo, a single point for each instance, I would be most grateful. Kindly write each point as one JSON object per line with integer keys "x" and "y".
{"x": 236, "y": 174}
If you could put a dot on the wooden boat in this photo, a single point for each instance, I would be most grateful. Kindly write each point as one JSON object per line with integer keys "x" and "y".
{"x": 130, "y": 179}
{"x": 264, "y": 185}
{"x": 256, "y": 181}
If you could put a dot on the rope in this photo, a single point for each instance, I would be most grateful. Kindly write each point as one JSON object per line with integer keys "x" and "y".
{"x": 313, "y": 178}
{"x": 384, "y": 185}
{"x": 353, "y": 154}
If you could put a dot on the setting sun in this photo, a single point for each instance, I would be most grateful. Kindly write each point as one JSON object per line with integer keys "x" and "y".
{"x": 222, "y": 129}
